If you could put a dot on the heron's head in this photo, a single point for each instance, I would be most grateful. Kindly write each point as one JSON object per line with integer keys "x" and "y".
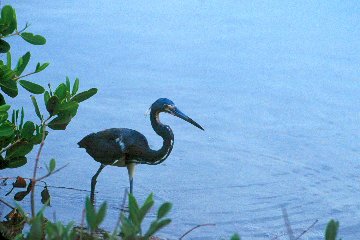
{"x": 168, "y": 106}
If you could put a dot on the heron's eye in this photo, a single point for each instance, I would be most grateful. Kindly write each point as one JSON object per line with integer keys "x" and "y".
{"x": 168, "y": 108}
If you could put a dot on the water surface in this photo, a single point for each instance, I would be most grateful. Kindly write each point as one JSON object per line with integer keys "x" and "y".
{"x": 275, "y": 85}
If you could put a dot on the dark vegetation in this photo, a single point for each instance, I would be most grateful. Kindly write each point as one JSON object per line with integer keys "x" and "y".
{"x": 19, "y": 136}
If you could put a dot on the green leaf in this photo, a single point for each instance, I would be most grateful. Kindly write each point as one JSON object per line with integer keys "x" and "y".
{"x": 33, "y": 39}
{"x": 3, "y": 116}
{"x": 84, "y": 95}
{"x": 36, "y": 139}
{"x": 6, "y": 130}
{"x": 4, "y": 46}
{"x": 101, "y": 214}
{"x": 46, "y": 97}
{"x": 68, "y": 96}
{"x": 6, "y": 140}
{"x": 7, "y": 84}
{"x": 8, "y": 22}
{"x": 156, "y": 226}
{"x": 60, "y": 91}
{"x": 19, "y": 149}
{"x": 21, "y": 118}
{"x": 68, "y": 106}
{"x": 17, "y": 162}
{"x": 52, "y": 105}
{"x": 13, "y": 117}
{"x": 36, "y": 106}
{"x": 134, "y": 210}
{"x": 36, "y": 232}
{"x": 8, "y": 59}
{"x": 6, "y": 73}
{"x": 41, "y": 67}
{"x": 235, "y": 237}
{"x": 9, "y": 87}
{"x": 72, "y": 111}
{"x": 4, "y": 164}
{"x": 51, "y": 230}
{"x": 331, "y": 230}
{"x": 75, "y": 86}
{"x": 163, "y": 210}
{"x": 28, "y": 130}
{"x": 32, "y": 87}
{"x": 149, "y": 202}
{"x": 67, "y": 84}
{"x": 90, "y": 214}
{"x": 16, "y": 115}
{"x": 149, "y": 199}
{"x": 60, "y": 122}
{"x": 22, "y": 63}
{"x": 2, "y": 100}
{"x": 52, "y": 165}
{"x": 4, "y": 108}
{"x": 127, "y": 227}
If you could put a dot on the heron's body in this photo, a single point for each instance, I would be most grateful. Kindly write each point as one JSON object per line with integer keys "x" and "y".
{"x": 116, "y": 146}
{"x": 123, "y": 147}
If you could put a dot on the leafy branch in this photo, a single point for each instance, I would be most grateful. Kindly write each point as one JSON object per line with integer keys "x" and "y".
{"x": 10, "y": 146}
{"x": 131, "y": 226}
{"x": 17, "y": 32}
{"x": 18, "y": 136}
{"x": 35, "y": 169}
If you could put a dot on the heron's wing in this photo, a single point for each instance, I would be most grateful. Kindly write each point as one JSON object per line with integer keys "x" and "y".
{"x": 102, "y": 146}
{"x": 133, "y": 143}
{"x": 114, "y": 144}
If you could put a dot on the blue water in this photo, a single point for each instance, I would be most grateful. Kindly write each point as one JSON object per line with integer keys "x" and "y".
{"x": 274, "y": 83}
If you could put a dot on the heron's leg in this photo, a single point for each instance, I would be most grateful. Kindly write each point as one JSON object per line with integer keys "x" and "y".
{"x": 131, "y": 185}
{"x": 131, "y": 171}
{"x": 93, "y": 183}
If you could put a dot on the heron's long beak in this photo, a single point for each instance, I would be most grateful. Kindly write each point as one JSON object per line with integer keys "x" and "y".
{"x": 176, "y": 112}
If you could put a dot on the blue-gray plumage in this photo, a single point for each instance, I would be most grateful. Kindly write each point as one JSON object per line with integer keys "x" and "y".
{"x": 123, "y": 147}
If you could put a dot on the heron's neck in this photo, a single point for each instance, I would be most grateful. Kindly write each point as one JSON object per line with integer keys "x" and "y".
{"x": 165, "y": 132}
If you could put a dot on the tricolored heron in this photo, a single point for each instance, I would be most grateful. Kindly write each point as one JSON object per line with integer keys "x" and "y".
{"x": 123, "y": 147}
